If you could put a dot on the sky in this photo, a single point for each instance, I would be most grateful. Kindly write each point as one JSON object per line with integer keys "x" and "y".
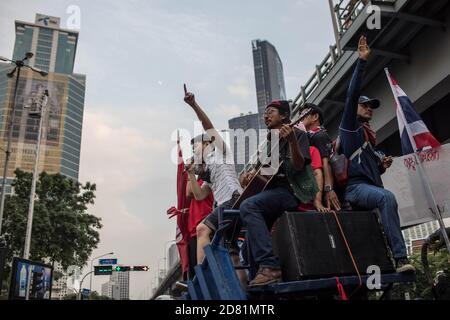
{"x": 137, "y": 54}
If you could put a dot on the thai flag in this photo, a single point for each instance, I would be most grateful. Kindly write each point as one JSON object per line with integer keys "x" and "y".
{"x": 414, "y": 134}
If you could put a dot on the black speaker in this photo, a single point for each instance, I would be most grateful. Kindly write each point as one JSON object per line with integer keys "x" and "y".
{"x": 310, "y": 245}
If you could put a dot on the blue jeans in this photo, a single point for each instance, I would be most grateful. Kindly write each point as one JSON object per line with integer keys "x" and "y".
{"x": 258, "y": 214}
{"x": 371, "y": 197}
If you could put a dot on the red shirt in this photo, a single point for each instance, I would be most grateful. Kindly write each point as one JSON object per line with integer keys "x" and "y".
{"x": 198, "y": 210}
{"x": 316, "y": 160}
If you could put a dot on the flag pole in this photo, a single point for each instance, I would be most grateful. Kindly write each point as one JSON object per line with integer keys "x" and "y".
{"x": 422, "y": 173}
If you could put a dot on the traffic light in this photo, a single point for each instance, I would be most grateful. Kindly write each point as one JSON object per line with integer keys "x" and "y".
{"x": 102, "y": 270}
{"x": 140, "y": 268}
{"x": 123, "y": 268}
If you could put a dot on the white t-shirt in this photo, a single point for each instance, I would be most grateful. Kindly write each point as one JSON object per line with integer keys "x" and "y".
{"x": 224, "y": 180}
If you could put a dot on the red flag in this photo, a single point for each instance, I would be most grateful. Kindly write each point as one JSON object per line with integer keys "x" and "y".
{"x": 182, "y": 235}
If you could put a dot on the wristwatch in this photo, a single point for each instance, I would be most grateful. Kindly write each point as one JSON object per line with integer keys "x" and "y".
{"x": 328, "y": 189}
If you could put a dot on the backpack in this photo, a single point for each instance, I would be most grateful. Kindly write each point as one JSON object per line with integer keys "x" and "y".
{"x": 339, "y": 162}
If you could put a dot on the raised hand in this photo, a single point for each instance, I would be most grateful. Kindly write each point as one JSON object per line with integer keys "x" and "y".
{"x": 189, "y": 97}
{"x": 364, "y": 50}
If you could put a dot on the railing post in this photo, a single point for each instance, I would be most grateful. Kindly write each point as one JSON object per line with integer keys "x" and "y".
{"x": 319, "y": 74}
{"x": 335, "y": 24}
{"x": 333, "y": 54}
{"x": 303, "y": 91}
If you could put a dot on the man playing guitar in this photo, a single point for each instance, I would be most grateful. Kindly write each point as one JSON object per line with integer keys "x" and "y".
{"x": 293, "y": 183}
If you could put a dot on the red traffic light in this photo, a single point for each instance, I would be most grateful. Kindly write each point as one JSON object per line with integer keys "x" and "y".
{"x": 140, "y": 268}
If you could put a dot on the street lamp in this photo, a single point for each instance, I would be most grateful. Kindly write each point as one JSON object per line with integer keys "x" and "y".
{"x": 159, "y": 269}
{"x": 166, "y": 267}
{"x": 40, "y": 103}
{"x": 19, "y": 64}
{"x": 90, "y": 280}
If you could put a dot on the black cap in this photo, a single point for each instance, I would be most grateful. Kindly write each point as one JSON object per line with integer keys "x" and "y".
{"x": 283, "y": 106}
{"x": 201, "y": 138}
{"x": 311, "y": 108}
{"x": 374, "y": 103}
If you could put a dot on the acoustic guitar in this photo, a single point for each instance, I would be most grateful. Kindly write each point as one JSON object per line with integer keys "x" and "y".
{"x": 260, "y": 181}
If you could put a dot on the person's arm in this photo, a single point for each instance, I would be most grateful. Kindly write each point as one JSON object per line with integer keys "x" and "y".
{"x": 189, "y": 193}
{"x": 349, "y": 118}
{"x": 189, "y": 98}
{"x": 318, "y": 175}
{"x": 331, "y": 197}
{"x": 199, "y": 192}
{"x": 298, "y": 161}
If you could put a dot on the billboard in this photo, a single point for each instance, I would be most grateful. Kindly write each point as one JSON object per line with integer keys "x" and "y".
{"x": 404, "y": 179}
{"x": 34, "y": 277}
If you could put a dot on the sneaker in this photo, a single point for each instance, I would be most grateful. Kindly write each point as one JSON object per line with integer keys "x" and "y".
{"x": 403, "y": 265}
{"x": 266, "y": 276}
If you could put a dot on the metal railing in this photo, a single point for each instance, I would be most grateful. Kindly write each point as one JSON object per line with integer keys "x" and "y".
{"x": 314, "y": 81}
{"x": 346, "y": 12}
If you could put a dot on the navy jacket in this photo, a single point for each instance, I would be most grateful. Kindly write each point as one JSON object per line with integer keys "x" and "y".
{"x": 366, "y": 167}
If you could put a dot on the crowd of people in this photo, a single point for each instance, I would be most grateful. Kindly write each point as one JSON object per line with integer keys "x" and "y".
{"x": 304, "y": 180}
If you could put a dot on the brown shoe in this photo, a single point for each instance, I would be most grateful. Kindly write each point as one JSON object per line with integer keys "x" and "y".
{"x": 266, "y": 276}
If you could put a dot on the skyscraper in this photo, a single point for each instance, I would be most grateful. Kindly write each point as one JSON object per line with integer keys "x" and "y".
{"x": 54, "y": 48}
{"x": 269, "y": 76}
{"x": 243, "y": 149}
{"x": 120, "y": 285}
{"x": 54, "y": 51}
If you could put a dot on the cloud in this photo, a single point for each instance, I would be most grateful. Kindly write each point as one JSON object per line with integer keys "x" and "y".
{"x": 129, "y": 166}
{"x": 240, "y": 90}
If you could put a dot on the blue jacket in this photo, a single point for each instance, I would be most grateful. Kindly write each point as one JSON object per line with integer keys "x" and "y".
{"x": 364, "y": 168}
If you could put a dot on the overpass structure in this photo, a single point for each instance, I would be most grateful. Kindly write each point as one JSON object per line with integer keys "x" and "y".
{"x": 413, "y": 42}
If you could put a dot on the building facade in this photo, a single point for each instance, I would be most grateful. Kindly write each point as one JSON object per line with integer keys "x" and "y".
{"x": 54, "y": 50}
{"x": 120, "y": 285}
{"x": 174, "y": 256}
{"x": 59, "y": 286}
{"x": 269, "y": 75}
{"x": 245, "y": 138}
{"x": 107, "y": 290}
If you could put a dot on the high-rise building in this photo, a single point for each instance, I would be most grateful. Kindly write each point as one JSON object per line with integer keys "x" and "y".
{"x": 107, "y": 290}
{"x": 54, "y": 48}
{"x": 59, "y": 284}
{"x": 54, "y": 51}
{"x": 120, "y": 285}
{"x": 269, "y": 76}
{"x": 174, "y": 256}
{"x": 244, "y": 129}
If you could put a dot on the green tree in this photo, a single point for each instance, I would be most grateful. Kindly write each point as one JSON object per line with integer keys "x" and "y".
{"x": 96, "y": 296}
{"x": 63, "y": 230}
{"x": 421, "y": 289}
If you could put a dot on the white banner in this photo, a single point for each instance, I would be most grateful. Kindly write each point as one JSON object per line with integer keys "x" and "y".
{"x": 404, "y": 180}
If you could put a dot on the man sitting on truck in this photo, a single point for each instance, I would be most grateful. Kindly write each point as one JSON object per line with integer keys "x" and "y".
{"x": 365, "y": 187}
